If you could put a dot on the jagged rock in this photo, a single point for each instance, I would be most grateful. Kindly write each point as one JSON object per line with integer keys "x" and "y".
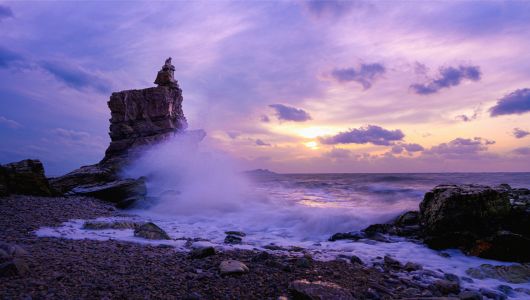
{"x": 202, "y": 252}
{"x": 151, "y": 232}
{"x": 463, "y": 208}
{"x": 518, "y": 273}
{"x": 84, "y": 176}
{"x": 408, "y": 218}
{"x": 166, "y": 76}
{"x": 391, "y": 263}
{"x": 118, "y": 191}
{"x": 356, "y": 260}
{"x": 228, "y": 267}
{"x": 318, "y": 290}
{"x": 100, "y": 225}
{"x": 25, "y": 177}
{"x": 354, "y": 236}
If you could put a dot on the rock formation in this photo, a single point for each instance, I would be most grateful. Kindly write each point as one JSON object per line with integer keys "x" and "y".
{"x": 25, "y": 177}
{"x": 139, "y": 118}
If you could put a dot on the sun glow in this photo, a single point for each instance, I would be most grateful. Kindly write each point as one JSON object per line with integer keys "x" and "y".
{"x": 312, "y": 145}
{"x": 313, "y": 132}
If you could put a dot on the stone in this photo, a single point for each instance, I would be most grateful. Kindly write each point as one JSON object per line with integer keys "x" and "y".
{"x": 447, "y": 287}
{"x": 202, "y": 252}
{"x": 236, "y": 233}
{"x": 470, "y": 295}
{"x": 452, "y": 214}
{"x": 84, "y": 176}
{"x": 354, "y": 236}
{"x": 166, "y": 75}
{"x": 356, "y": 260}
{"x": 25, "y": 177}
{"x": 391, "y": 263}
{"x": 230, "y": 267}
{"x": 318, "y": 290}
{"x": 233, "y": 239}
{"x": 504, "y": 246}
{"x": 100, "y": 225}
{"x": 14, "y": 267}
{"x": 492, "y": 294}
{"x": 517, "y": 273}
{"x": 116, "y": 191}
{"x": 151, "y": 231}
{"x": 411, "y": 266}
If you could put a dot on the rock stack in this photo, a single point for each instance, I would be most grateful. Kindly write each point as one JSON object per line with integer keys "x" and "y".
{"x": 139, "y": 118}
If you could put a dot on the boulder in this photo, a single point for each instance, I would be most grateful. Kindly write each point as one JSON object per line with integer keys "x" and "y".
{"x": 447, "y": 287}
{"x": 503, "y": 245}
{"x": 408, "y": 218}
{"x": 354, "y": 236}
{"x": 518, "y": 273}
{"x": 318, "y": 290}
{"x": 229, "y": 267}
{"x": 151, "y": 231}
{"x": 84, "y": 176}
{"x": 233, "y": 239}
{"x": 118, "y": 191}
{"x": 25, "y": 177}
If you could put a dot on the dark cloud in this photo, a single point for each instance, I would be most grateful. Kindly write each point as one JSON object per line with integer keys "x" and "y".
{"x": 519, "y": 133}
{"x": 5, "y": 12}
{"x": 261, "y": 143}
{"x": 517, "y": 102}
{"x": 265, "y": 119}
{"x": 233, "y": 134}
{"x": 474, "y": 116}
{"x": 365, "y": 75}
{"x": 8, "y": 58}
{"x": 460, "y": 148}
{"x": 448, "y": 77}
{"x": 523, "y": 151}
{"x": 288, "y": 113}
{"x": 75, "y": 77}
{"x": 368, "y": 134}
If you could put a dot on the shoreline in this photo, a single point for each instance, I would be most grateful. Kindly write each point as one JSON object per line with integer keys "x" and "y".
{"x": 64, "y": 268}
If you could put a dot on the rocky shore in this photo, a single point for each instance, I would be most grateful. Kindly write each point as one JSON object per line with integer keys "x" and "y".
{"x": 56, "y": 268}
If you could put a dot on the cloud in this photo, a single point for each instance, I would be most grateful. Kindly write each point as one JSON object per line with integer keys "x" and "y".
{"x": 288, "y": 113}
{"x": 8, "y": 57}
{"x": 265, "y": 119}
{"x": 460, "y": 148}
{"x": 410, "y": 148}
{"x": 519, "y": 133}
{"x": 328, "y": 8}
{"x": 522, "y": 151}
{"x": 448, "y": 77}
{"x": 338, "y": 153}
{"x": 474, "y": 116}
{"x": 10, "y": 123}
{"x": 75, "y": 76}
{"x": 517, "y": 102}
{"x": 233, "y": 134}
{"x": 71, "y": 134}
{"x": 368, "y": 134}
{"x": 5, "y": 12}
{"x": 261, "y": 143}
{"x": 365, "y": 75}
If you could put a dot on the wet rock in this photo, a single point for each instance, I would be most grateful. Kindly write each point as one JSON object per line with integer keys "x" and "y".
{"x": 25, "y": 177}
{"x": 470, "y": 295}
{"x": 229, "y": 267}
{"x": 450, "y": 214}
{"x": 410, "y": 267}
{"x": 391, "y": 263}
{"x": 236, "y": 233}
{"x": 116, "y": 191}
{"x": 101, "y": 225}
{"x": 151, "y": 231}
{"x": 354, "y": 236}
{"x": 447, "y": 287}
{"x": 202, "y": 252}
{"x": 356, "y": 260}
{"x": 303, "y": 262}
{"x": 505, "y": 289}
{"x": 503, "y": 245}
{"x": 452, "y": 277}
{"x": 233, "y": 239}
{"x": 492, "y": 294}
{"x": 318, "y": 290}
{"x": 518, "y": 273}
{"x": 84, "y": 176}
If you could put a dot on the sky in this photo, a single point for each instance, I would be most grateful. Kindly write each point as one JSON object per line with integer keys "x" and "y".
{"x": 291, "y": 86}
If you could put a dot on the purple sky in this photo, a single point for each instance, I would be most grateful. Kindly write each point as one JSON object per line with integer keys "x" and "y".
{"x": 293, "y": 86}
